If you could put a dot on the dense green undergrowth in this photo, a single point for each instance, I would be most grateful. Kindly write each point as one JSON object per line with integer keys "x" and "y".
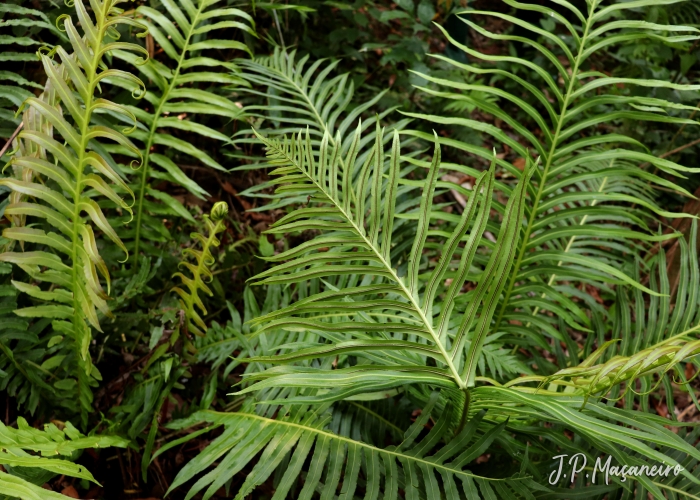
{"x": 336, "y": 250}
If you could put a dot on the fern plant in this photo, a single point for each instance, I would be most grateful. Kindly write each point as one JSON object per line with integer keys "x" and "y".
{"x": 399, "y": 298}
{"x": 356, "y": 247}
{"x": 394, "y": 330}
{"x": 185, "y": 35}
{"x": 57, "y": 176}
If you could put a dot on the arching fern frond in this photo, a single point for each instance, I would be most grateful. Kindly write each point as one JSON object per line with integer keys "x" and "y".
{"x": 57, "y": 176}
{"x": 307, "y": 95}
{"x": 303, "y": 95}
{"x": 343, "y": 467}
{"x": 579, "y": 218}
{"x": 658, "y": 341}
{"x": 389, "y": 320}
{"x": 187, "y": 32}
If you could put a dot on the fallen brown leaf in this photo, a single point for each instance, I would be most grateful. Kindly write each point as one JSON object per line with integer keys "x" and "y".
{"x": 70, "y": 492}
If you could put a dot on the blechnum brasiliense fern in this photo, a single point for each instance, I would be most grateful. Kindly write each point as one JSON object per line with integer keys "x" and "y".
{"x": 57, "y": 175}
{"x": 396, "y": 298}
{"x": 373, "y": 332}
{"x": 185, "y": 84}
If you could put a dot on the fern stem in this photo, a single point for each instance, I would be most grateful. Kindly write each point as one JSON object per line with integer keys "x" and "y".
{"x": 465, "y": 411}
{"x": 151, "y": 136}
{"x": 12, "y": 138}
{"x": 545, "y": 172}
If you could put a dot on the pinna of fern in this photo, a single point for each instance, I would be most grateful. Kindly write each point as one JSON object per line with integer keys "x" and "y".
{"x": 183, "y": 98}
{"x": 57, "y": 176}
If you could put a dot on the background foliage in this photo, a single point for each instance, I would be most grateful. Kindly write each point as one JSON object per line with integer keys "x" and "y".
{"x": 572, "y": 280}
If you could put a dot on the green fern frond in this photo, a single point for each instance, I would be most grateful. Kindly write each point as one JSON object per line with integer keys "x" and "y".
{"x": 300, "y": 95}
{"x": 53, "y": 169}
{"x": 185, "y": 33}
{"x": 200, "y": 271}
{"x": 376, "y": 309}
{"x": 613, "y": 431}
{"x": 657, "y": 342}
{"x": 578, "y": 213}
{"x": 342, "y": 467}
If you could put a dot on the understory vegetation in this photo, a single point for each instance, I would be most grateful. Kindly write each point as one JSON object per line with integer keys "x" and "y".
{"x": 310, "y": 249}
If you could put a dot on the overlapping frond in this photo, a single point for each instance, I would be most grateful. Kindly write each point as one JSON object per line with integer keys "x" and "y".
{"x": 659, "y": 340}
{"x": 56, "y": 176}
{"x": 629, "y": 437}
{"x": 345, "y": 467}
{"x": 590, "y": 201}
{"x": 189, "y": 32}
{"x": 301, "y": 95}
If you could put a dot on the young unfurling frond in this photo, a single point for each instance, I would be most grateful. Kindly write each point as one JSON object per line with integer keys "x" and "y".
{"x": 200, "y": 273}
